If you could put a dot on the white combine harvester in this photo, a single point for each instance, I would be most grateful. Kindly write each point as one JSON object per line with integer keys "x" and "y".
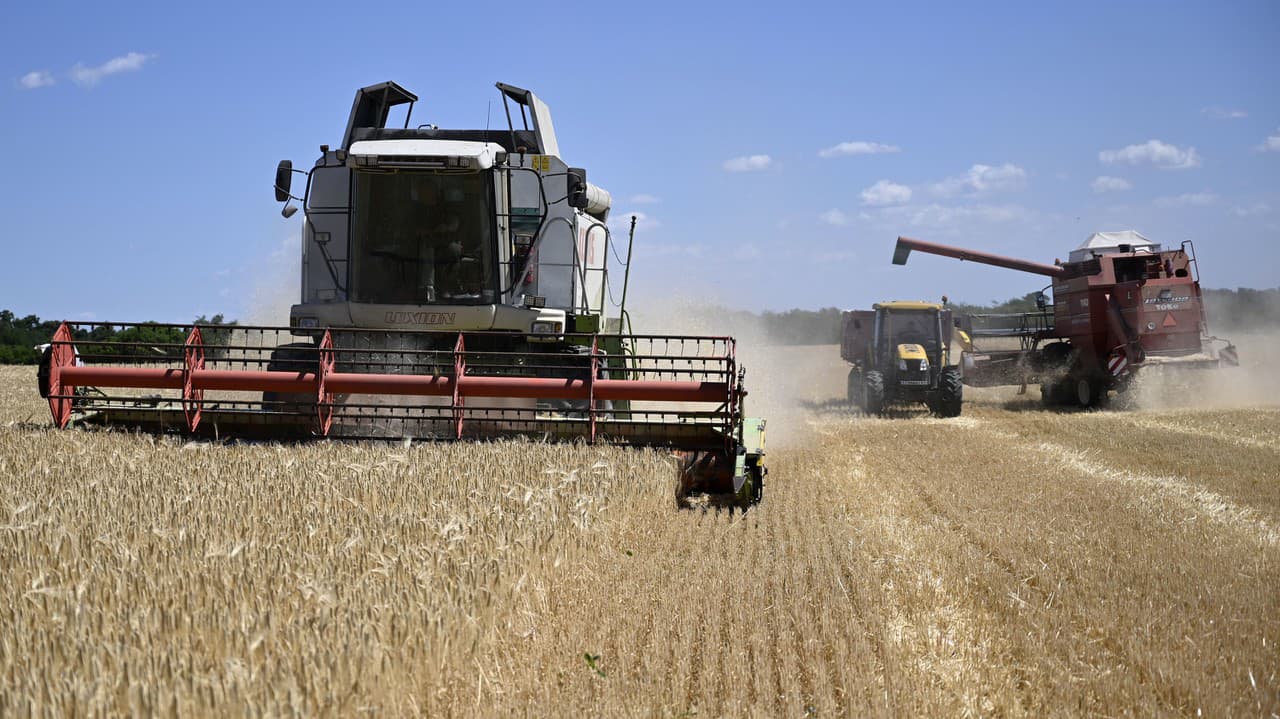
{"x": 455, "y": 284}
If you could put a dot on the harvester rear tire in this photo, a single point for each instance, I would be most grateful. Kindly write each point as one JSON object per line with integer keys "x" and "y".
{"x": 873, "y": 393}
{"x": 950, "y": 393}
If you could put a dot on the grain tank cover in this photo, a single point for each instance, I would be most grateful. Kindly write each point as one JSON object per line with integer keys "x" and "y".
{"x": 1105, "y": 242}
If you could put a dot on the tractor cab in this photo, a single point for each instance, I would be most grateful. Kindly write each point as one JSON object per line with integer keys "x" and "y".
{"x": 910, "y": 335}
{"x": 900, "y": 352}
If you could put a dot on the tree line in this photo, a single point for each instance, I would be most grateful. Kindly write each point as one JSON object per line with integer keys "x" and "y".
{"x": 1239, "y": 310}
{"x": 20, "y": 336}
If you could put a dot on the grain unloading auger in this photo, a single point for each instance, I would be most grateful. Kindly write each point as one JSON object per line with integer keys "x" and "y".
{"x": 455, "y": 285}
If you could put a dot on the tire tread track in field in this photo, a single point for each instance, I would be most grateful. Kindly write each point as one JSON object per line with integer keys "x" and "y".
{"x": 1187, "y": 493}
{"x": 1171, "y": 424}
{"x": 1193, "y": 496}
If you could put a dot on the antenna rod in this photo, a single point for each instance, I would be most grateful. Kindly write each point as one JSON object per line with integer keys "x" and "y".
{"x": 626, "y": 274}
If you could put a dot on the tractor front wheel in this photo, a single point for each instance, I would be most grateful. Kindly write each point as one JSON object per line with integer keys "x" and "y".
{"x": 950, "y": 393}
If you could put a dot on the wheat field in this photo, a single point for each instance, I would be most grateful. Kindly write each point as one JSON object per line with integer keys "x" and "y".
{"x": 1008, "y": 562}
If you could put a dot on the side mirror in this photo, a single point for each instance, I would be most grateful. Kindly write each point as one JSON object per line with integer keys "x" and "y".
{"x": 1041, "y": 301}
{"x": 577, "y": 187}
{"x": 284, "y": 180}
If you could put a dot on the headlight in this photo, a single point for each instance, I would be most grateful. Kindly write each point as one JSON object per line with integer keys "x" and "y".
{"x": 924, "y": 363}
{"x": 546, "y": 328}
{"x": 902, "y": 365}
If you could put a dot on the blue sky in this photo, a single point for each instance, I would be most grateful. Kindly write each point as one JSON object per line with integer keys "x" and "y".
{"x": 772, "y": 154}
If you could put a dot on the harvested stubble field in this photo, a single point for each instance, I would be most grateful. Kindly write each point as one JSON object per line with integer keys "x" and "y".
{"x": 1010, "y": 562}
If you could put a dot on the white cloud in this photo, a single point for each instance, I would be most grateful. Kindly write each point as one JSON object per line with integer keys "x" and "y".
{"x": 885, "y": 192}
{"x": 953, "y": 219}
{"x": 1222, "y": 113}
{"x": 90, "y": 76}
{"x": 620, "y": 223}
{"x": 659, "y": 249}
{"x": 857, "y": 147}
{"x": 1260, "y": 208}
{"x": 835, "y": 218}
{"x": 982, "y": 179}
{"x": 1271, "y": 144}
{"x": 1153, "y": 152}
{"x": 748, "y": 163}
{"x": 34, "y": 79}
{"x": 1106, "y": 183}
{"x": 1190, "y": 199}
{"x": 643, "y": 199}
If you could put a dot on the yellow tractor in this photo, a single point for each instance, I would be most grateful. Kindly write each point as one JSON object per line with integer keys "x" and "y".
{"x": 900, "y": 353}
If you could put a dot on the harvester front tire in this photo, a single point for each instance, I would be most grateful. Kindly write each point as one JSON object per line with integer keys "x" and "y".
{"x": 950, "y": 393}
{"x": 1090, "y": 391}
{"x": 296, "y": 357}
{"x": 873, "y": 389}
{"x": 1056, "y": 392}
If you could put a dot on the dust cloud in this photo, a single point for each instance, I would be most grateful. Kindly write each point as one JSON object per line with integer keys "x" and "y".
{"x": 275, "y": 285}
{"x": 784, "y": 383}
{"x": 1255, "y": 383}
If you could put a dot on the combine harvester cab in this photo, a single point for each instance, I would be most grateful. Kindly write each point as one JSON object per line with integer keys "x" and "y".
{"x": 1120, "y": 303}
{"x": 455, "y": 285}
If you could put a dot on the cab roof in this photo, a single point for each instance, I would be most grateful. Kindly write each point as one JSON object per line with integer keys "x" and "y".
{"x": 907, "y": 305}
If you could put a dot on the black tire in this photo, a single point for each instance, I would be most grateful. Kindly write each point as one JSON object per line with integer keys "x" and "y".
{"x": 296, "y": 357}
{"x": 1055, "y": 355}
{"x": 1056, "y": 392}
{"x": 950, "y": 393}
{"x": 42, "y": 372}
{"x": 753, "y": 489}
{"x": 854, "y": 391}
{"x": 873, "y": 392}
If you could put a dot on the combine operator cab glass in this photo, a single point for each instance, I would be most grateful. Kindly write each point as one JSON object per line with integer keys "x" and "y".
{"x": 423, "y": 238}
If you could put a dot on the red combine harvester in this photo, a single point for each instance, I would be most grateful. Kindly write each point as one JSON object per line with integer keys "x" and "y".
{"x": 1120, "y": 303}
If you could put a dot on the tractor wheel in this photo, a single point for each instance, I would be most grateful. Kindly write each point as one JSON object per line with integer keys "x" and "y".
{"x": 950, "y": 393}
{"x": 296, "y": 357}
{"x": 854, "y": 392}
{"x": 873, "y": 393}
